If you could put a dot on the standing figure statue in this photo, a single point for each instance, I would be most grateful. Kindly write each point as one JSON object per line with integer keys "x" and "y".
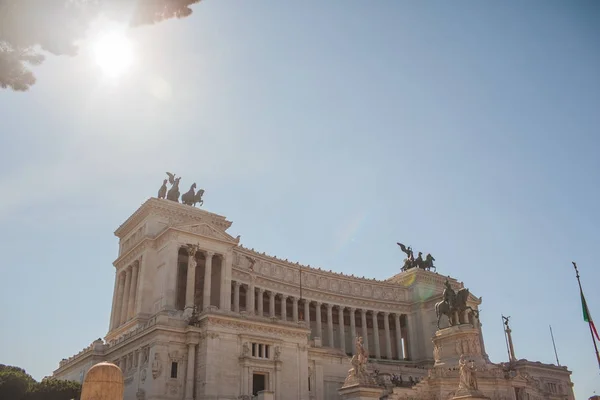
{"x": 173, "y": 193}
{"x": 409, "y": 261}
{"x": 467, "y": 379}
{"x": 358, "y": 373}
{"x": 162, "y": 192}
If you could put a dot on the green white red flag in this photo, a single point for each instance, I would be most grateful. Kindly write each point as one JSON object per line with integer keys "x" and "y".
{"x": 587, "y": 317}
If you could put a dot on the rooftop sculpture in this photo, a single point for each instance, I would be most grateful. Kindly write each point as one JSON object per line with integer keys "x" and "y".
{"x": 190, "y": 198}
{"x": 411, "y": 262}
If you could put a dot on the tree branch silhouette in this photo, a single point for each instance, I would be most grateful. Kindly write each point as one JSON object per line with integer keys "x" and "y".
{"x": 30, "y": 27}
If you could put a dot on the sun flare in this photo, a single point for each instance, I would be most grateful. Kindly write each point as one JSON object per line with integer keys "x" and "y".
{"x": 113, "y": 52}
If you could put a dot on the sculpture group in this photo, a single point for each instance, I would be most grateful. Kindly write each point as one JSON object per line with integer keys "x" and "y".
{"x": 359, "y": 374}
{"x": 190, "y": 198}
{"x": 411, "y": 262}
{"x": 453, "y": 304}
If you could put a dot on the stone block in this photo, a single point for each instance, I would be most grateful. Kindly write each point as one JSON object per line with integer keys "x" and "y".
{"x": 357, "y": 392}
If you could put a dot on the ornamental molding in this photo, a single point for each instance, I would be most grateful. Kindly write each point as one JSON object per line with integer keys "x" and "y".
{"x": 207, "y": 231}
{"x": 165, "y": 237}
{"x": 254, "y": 328}
{"x": 135, "y": 253}
{"x": 174, "y": 212}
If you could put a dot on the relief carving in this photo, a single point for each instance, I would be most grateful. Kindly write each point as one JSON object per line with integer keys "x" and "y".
{"x": 437, "y": 352}
{"x": 323, "y": 283}
{"x": 156, "y": 366}
{"x": 172, "y": 387}
{"x": 377, "y": 293}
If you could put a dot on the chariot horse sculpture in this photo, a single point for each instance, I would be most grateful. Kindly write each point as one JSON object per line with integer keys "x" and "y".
{"x": 453, "y": 303}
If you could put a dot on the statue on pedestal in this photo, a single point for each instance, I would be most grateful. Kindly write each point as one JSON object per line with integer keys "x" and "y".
{"x": 190, "y": 198}
{"x": 411, "y": 262}
{"x": 358, "y": 374}
{"x": 453, "y": 302}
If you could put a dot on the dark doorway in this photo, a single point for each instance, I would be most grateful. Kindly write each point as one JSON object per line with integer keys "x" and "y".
{"x": 258, "y": 383}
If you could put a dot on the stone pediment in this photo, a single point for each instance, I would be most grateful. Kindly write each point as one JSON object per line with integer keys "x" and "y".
{"x": 206, "y": 230}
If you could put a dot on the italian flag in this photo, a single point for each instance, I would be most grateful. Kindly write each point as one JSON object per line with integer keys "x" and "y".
{"x": 587, "y": 317}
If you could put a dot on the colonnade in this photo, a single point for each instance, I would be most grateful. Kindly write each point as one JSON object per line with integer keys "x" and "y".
{"x": 354, "y": 321}
{"x": 125, "y": 293}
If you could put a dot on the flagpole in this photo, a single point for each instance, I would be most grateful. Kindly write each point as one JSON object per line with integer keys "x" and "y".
{"x": 591, "y": 331}
{"x": 554, "y": 344}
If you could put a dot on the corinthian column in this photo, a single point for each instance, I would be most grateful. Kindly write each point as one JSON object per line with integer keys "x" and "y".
{"x": 125, "y": 303}
{"x": 119, "y": 302}
{"x": 307, "y": 313}
{"x": 376, "y": 335}
{"x": 261, "y": 295}
{"x": 111, "y": 323}
{"x": 295, "y": 309}
{"x": 353, "y": 328}
{"x": 236, "y": 296}
{"x": 207, "y": 280}
{"x": 190, "y": 285}
{"x": 271, "y": 304}
{"x": 399, "y": 350}
{"x": 330, "y": 325}
{"x": 132, "y": 290}
{"x": 283, "y": 307}
{"x": 250, "y": 297}
{"x": 189, "y": 376}
{"x": 342, "y": 331}
{"x": 388, "y": 340}
{"x": 365, "y": 329}
{"x": 319, "y": 325}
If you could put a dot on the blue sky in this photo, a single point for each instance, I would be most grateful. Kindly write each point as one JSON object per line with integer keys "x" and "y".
{"x": 327, "y": 132}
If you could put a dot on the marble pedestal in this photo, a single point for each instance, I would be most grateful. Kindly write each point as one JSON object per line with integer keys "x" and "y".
{"x": 452, "y": 342}
{"x": 358, "y": 392}
{"x": 466, "y": 394}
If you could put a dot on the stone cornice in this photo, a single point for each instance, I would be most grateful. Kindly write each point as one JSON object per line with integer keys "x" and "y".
{"x": 249, "y": 326}
{"x": 173, "y": 211}
{"x": 265, "y": 258}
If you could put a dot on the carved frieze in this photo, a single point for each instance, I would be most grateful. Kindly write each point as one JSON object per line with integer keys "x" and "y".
{"x": 249, "y": 327}
{"x": 207, "y": 231}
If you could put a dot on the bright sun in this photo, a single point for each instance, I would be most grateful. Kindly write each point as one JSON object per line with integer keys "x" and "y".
{"x": 113, "y": 53}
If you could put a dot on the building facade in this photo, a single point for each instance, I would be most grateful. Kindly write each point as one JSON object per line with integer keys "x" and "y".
{"x": 195, "y": 315}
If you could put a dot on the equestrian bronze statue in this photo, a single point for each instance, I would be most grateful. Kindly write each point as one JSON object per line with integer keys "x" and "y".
{"x": 453, "y": 303}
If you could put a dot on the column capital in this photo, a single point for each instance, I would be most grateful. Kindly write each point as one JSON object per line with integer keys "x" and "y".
{"x": 209, "y": 253}
{"x": 283, "y": 295}
{"x": 293, "y": 298}
{"x": 341, "y": 308}
{"x": 385, "y": 314}
{"x": 351, "y": 309}
{"x": 317, "y": 303}
{"x": 237, "y": 283}
{"x": 261, "y": 290}
{"x": 329, "y": 306}
{"x": 191, "y": 249}
{"x": 363, "y": 311}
